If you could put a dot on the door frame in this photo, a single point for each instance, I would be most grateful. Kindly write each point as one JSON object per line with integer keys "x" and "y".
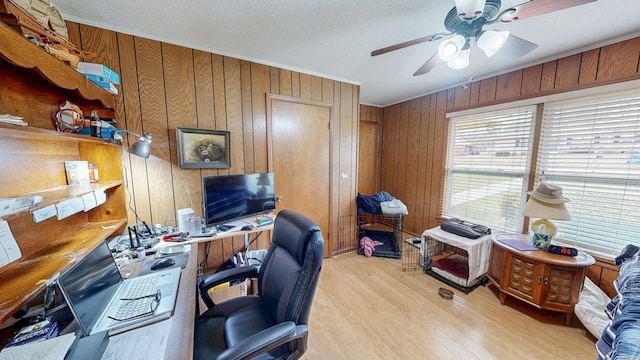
{"x": 332, "y": 231}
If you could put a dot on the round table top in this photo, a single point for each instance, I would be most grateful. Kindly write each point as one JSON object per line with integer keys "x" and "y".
{"x": 502, "y": 240}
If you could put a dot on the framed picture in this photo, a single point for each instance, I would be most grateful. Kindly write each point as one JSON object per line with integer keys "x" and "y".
{"x": 201, "y": 148}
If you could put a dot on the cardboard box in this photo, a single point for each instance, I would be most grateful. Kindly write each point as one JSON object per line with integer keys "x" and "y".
{"x": 98, "y": 70}
{"x": 225, "y": 292}
{"x": 77, "y": 172}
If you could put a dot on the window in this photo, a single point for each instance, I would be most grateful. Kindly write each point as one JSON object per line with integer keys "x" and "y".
{"x": 487, "y": 164}
{"x": 591, "y": 148}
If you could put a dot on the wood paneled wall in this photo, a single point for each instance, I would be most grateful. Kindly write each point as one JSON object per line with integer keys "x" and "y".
{"x": 165, "y": 86}
{"x": 368, "y": 153}
{"x": 414, "y": 133}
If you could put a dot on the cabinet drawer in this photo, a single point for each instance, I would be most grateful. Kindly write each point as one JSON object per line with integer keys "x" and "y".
{"x": 522, "y": 276}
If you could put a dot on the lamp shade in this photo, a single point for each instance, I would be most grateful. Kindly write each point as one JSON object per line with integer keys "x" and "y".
{"x": 461, "y": 61}
{"x": 491, "y": 41}
{"x": 470, "y": 8}
{"x": 537, "y": 209}
{"x": 142, "y": 147}
{"x": 450, "y": 48}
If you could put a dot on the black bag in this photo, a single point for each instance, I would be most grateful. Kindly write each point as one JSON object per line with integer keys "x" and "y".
{"x": 465, "y": 229}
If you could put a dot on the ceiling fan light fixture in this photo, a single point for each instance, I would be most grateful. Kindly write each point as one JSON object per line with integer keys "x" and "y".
{"x": 450, "y": 48}
{"x": 491, "y": 41}
{"x": 461, "y": 61}
{"x": 470, "y": 9}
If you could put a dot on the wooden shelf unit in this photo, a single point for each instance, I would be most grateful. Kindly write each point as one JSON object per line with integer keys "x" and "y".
{"x": 33, "y": 164}
{"x": 32, "y": 84}
{"x": 20, "y": 52}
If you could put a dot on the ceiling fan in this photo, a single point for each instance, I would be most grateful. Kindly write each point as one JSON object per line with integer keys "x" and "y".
{"x": 465, "y": 24}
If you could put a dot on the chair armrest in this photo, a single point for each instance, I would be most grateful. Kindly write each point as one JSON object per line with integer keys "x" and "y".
{"x": 218, "y": 278}
{"x": 267, "y": 340}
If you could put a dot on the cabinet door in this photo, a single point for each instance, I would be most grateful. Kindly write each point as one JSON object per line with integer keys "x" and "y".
{"x": 560, "y": 288}
{"x": 523, "y": 275}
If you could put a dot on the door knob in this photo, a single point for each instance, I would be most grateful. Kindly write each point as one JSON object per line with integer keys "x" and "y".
{"x": 278, "y": 198}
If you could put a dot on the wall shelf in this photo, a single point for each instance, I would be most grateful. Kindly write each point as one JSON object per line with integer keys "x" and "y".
{"x": 24, "y": 278}
{"x": 33, "y": 164}
{"x": 21, "y": 52}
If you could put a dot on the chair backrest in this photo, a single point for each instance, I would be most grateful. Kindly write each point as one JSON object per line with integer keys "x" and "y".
{"x": 289, "y": 272}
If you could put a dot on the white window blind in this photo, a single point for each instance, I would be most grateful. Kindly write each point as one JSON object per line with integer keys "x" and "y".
{"x": 487, "y": 162}
{"x": 591, "y": 148}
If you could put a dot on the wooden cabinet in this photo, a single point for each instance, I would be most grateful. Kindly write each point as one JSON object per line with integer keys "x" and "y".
{"x": 32, "y": 82}
{"x": 544, "y": 280}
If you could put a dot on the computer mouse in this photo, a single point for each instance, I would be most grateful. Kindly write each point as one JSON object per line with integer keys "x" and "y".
{"x": 161, "y": 264}
{"x": 246, "y": 228}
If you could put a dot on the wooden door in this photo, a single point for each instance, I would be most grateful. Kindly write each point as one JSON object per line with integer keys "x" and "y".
{"x": 299, "y": 153}
{"x": 367, "y": 150}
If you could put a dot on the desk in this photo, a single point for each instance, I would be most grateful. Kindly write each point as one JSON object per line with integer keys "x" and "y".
{"x": 196, "y": 240}
{"x": 180, "y": 342}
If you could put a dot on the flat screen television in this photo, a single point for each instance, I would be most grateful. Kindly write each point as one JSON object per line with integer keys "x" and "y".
{"x": 228, "y": 198}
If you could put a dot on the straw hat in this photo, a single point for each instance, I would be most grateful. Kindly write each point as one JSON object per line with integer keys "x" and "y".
{"x": 548, "y": 193}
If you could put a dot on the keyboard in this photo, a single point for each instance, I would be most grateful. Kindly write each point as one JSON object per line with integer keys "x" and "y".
{"x": 170, "y": 250}
{"x": 141, "y": 287}
{"x": 137, "y": 300}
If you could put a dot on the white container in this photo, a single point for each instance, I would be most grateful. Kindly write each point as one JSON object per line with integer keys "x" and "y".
{"x": 183, "y": 219}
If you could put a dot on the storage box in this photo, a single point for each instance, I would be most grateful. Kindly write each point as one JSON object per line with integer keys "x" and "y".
{"x": 112, "y": 89}
{"x": 100, "y": 70}
{"x": 77, "y": 172}
{"x": 225, "y": 292}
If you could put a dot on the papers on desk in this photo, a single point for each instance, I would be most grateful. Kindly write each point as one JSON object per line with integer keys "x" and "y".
{"x": 52, "y": 349}
{"x": 147, "y": 342}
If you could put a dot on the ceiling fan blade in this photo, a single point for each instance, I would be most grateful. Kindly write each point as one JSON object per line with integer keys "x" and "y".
{"x": 540, "y": 7}
{"x": 516, "y": 47}
{"x": 429, "y": 65}
{"x": 405, "y": 44}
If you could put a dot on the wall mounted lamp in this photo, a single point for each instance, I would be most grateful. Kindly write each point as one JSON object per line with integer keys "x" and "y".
{"x": 142, "y": 147}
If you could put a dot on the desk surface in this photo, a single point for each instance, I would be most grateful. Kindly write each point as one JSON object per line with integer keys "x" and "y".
{"x": 224, "y": 235}
{"x": 180, "y": 342}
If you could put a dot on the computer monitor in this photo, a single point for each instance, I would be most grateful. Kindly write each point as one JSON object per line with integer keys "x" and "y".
{"x": 232, "y": 197}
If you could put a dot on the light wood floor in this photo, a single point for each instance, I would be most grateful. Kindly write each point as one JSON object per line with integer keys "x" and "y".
{"x": 368, "y": 308}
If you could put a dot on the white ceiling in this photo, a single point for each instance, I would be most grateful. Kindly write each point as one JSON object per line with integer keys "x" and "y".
{"x": 334, "y": 38}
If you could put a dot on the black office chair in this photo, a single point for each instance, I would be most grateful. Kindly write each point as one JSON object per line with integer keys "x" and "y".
{"x": 273, "y": 323}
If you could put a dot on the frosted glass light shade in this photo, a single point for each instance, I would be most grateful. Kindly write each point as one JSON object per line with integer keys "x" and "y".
{"x": 470, "y": 8}
{"x": 491, "y": 41}
{"x": 461, "y": 61}
{"x": 450, "y": 48}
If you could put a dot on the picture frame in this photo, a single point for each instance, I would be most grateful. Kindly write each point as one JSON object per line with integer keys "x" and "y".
{"x": 203, "y": 148}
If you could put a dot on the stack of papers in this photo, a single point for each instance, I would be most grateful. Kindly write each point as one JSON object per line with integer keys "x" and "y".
{"x": 12, "y": 119}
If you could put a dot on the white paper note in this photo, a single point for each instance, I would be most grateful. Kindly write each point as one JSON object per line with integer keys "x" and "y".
{"x": 89, "y": 201}
{"x": 69, "y": 207}
{"x": 9, "y": 250}
{"x": 101, "y": 197}
{"x": 44, "y": 213}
